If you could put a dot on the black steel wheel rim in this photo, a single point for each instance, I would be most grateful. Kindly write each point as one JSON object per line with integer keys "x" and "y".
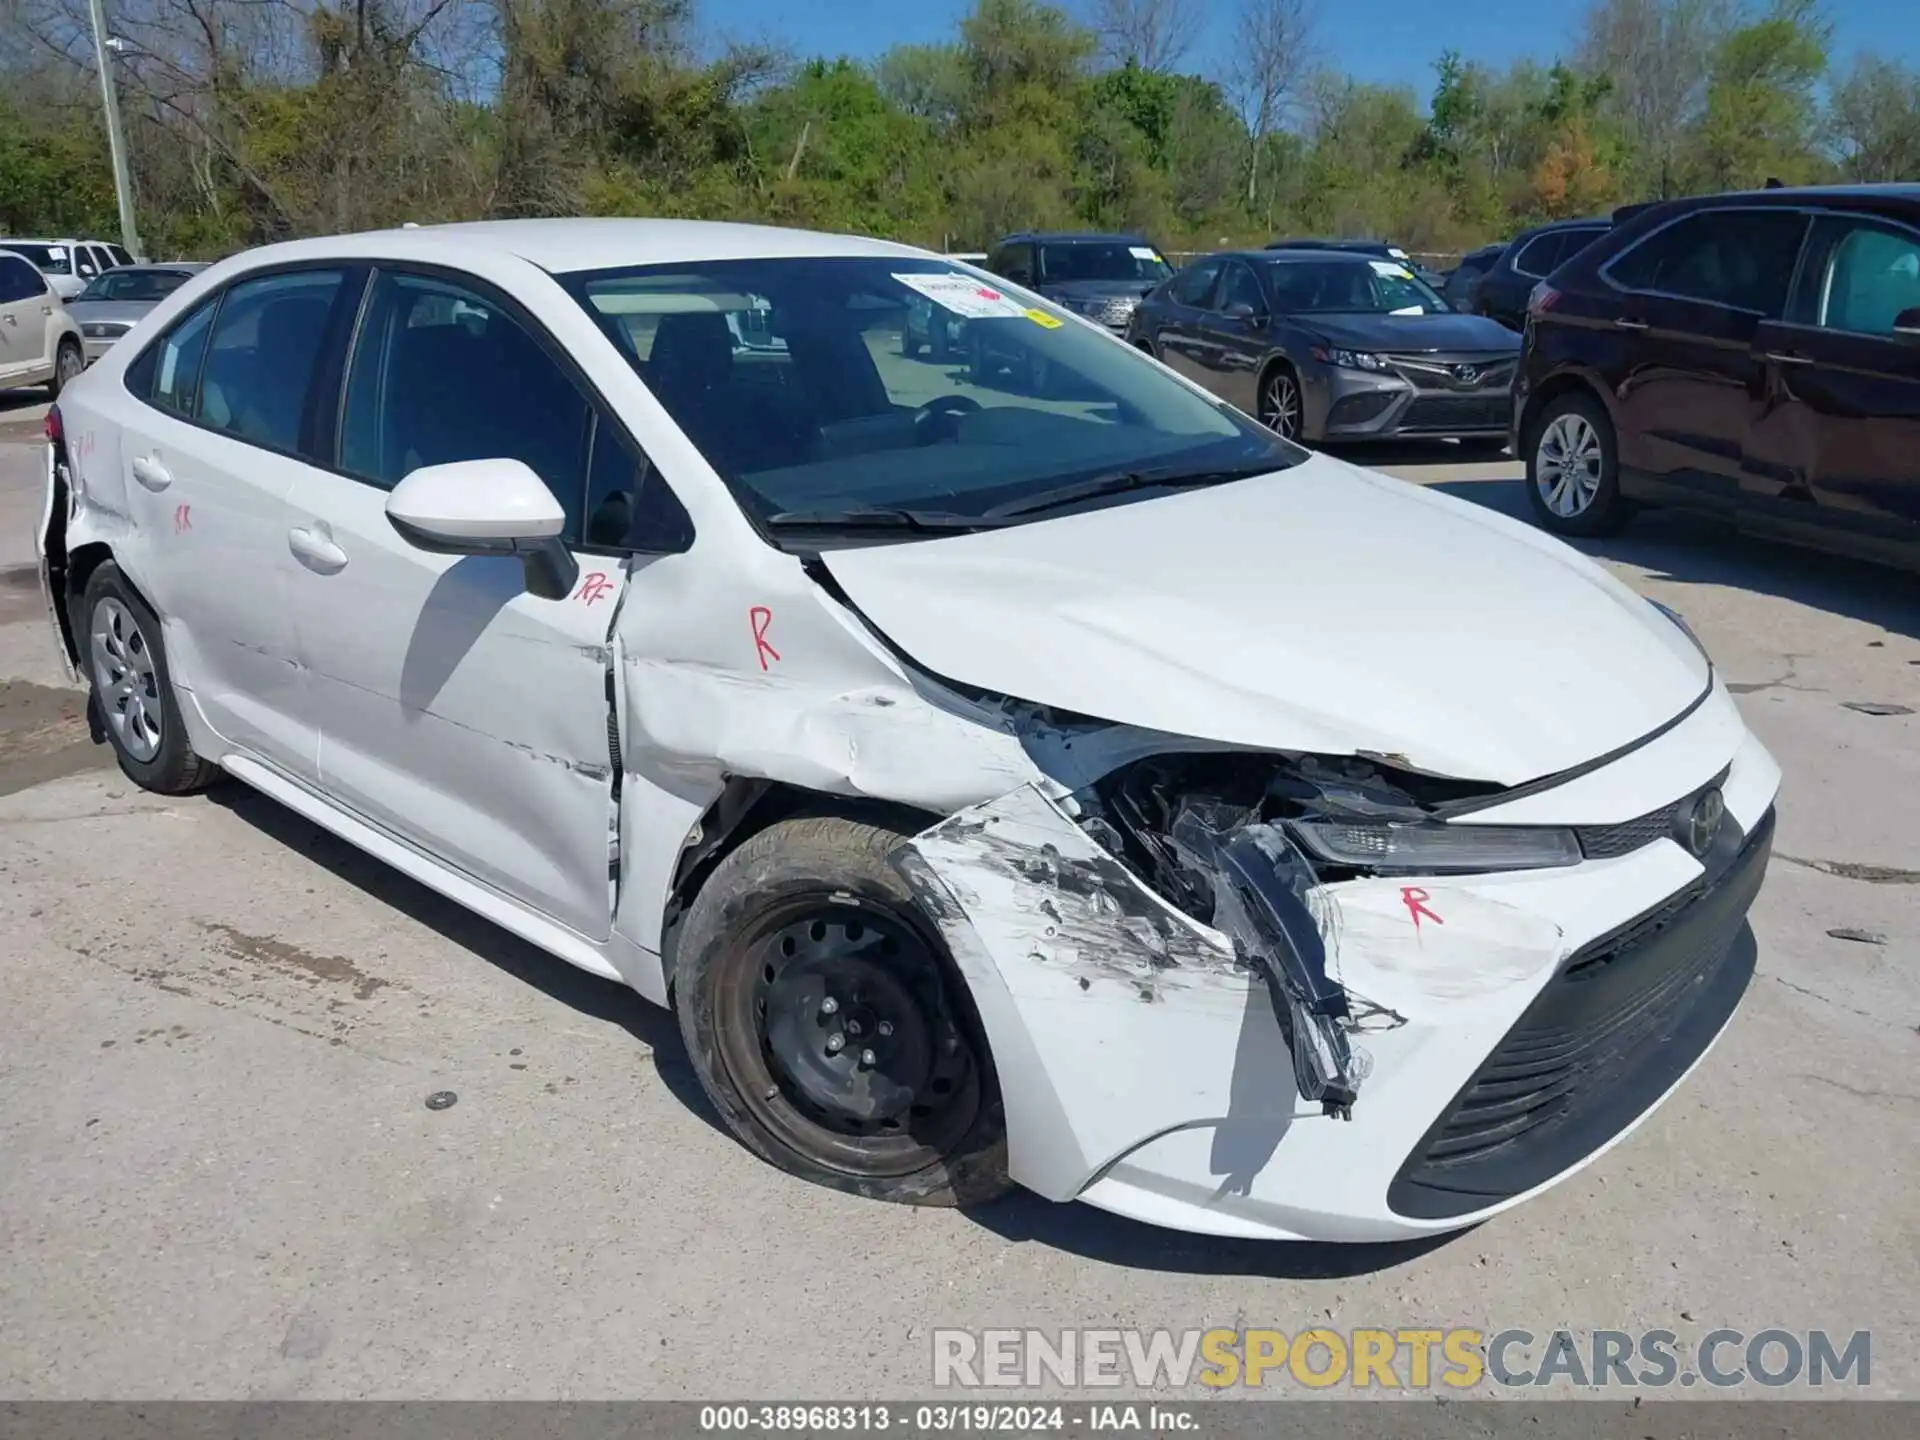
{"x": 839, "y": 1034}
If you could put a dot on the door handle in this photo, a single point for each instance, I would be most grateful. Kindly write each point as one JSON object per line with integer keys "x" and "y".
{"x": 1787, "y": 357}
{"x": 148, "y": 470}
{"x": 316, "y": 551}
{"x": 1623, "y": 323}
{"x": 13, "y": 319}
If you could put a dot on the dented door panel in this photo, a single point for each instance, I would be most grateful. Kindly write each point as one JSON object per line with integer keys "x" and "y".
{"x": 458, "y": 712}
{"x": 1145, "y": 1067}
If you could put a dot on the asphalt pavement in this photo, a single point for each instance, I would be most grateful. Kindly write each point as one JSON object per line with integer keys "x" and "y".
{"x": 219, "y": 1027}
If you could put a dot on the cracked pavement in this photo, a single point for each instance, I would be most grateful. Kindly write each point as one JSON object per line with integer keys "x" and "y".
{"x": 219, "y": 1177}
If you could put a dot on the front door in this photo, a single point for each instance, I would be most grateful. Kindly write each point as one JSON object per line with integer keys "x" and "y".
{"x": 1698, "y": 292}
{"x": 1835, "y": 438}
{"x": 456, "y": 711}
{"x": 1231, "y": 344}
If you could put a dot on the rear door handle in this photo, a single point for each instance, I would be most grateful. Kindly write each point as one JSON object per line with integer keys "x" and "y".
{"x": 316, "y": 550}
{"x": 1622, "y": 323}
{"x": 148, "y": 470}
{"x": 1787, "y": 357}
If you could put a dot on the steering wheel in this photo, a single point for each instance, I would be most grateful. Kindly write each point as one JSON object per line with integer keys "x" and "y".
{"x": 936, "y": 420}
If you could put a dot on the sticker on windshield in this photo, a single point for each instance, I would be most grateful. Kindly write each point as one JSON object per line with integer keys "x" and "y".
{"x": 1043, "y": 319}
{"x": 1390, "y": 270}
{"x": 1143, "y": 252}
{"x": 963, "y": 295}
{"x": 1408, "y": 310}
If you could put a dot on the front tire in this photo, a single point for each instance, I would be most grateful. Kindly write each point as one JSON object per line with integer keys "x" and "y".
{"x": 133, "y": 689}
{"x": 68, "y": 361}
{"x": 827, "y": 1025}
{"x": 1282, "y": 408}
{"x": 1573, "y": 467}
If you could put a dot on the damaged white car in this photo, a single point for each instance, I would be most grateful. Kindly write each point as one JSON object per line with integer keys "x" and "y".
{"x": 1049, "y": 778}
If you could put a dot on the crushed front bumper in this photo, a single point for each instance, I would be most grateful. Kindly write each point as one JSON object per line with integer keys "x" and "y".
{"x": 1506, "y": 1028}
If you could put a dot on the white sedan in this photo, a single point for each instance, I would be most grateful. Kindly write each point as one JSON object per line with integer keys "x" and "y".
{"x": 1087, "y": 790}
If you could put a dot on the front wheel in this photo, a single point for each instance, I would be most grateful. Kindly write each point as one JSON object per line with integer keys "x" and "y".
{"x": 827, "y": 1025}
{"x": 1573, "y": 467}
{"x": 1280, "y": 404}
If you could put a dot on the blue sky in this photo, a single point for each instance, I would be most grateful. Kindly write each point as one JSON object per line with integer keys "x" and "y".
{"x": 1391, "y": 41}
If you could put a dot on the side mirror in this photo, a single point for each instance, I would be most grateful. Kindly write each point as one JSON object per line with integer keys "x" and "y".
{"x": 487, "y": 507}
{"x": 1907, "y": 323}
{"x": 1240, "y": 310}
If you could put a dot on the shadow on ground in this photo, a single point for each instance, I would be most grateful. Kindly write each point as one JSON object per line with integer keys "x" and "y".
{"x": 1699, "y": 550}
{"x": 588, "y": 995}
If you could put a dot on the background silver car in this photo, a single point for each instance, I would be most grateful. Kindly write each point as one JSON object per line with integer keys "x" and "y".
{"x": 112, "y": 302}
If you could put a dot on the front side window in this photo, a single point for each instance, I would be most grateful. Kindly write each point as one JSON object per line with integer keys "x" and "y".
{"x": 1538, "y": 257}
{"x": 18, "y": 280}
{"x": 1121, "y": 260}
{"x": 1741, "y": 259}
{"x": 1242, "y": 287}
{"x": 1349, "y": 287}
{"x": 1866, "y": 277}
{"x": 836, "y": 419}
{"x": 441, "y": 373}
{"x": 1194, "y": 285}
{"x": 260, "y": 360}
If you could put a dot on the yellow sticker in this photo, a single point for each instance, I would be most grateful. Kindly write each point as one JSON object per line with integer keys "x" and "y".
{"x": 1042, "y": 318}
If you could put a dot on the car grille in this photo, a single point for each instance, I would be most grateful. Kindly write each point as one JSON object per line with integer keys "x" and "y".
{"x": 1606, "y": 842}
{"x": 1464, "y": 412}
{"x": 1604, "y": 1040}
{"x": 1115, "y": 312}
{"x": 105, "y": 329}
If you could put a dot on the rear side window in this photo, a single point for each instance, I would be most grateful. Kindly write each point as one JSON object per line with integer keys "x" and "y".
{"x": 168, "y": 374}
{"x": 260, "y": 362}
{"x": 1741, "y": 259}
{"x": 1537, "y": 258}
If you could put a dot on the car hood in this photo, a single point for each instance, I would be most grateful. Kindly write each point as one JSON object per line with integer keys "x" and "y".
{"x": 1414, "y": 334}
{"x": 94, "y": 311}
{"x": 1321, "y": 608}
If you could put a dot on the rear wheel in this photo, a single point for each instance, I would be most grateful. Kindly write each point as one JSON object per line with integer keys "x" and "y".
{"x": 68, "y": 362}
{"x": 827, "y": 1025}
{"x": 1573, "y": 468}
{"x": 133, "y": 689}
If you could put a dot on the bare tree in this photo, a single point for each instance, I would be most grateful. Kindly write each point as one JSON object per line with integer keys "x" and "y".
{"x": 1657, "y": 55}
{"x": 1153, "y": 34}
{"x": 1273, "y": 56}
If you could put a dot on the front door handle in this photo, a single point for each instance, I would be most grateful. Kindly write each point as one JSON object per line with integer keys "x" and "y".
{"x": 316, "y": 550}
{"x": 1787, "y": 357}
{"x": 148, "y": 470}
{"x": 1623, "y": 323}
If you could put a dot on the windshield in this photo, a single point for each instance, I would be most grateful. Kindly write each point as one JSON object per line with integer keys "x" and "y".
{"x": 1352, "y": 287}
{"x": 804, "y": 387}
{"x": 48, "y": 259}
{"x": 134, "y": 285}
{"x": 1102, "y": 260}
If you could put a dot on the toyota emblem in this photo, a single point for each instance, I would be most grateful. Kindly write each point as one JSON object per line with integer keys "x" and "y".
{"x": 1466, "y": 374}
{"x": 1703, "y": 824}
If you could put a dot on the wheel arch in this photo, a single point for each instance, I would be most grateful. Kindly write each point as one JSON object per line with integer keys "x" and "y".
{"x": 1563, "y": 382}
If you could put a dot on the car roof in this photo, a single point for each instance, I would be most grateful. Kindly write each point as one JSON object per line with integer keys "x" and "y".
{"x": 560, "y": 246}
{"x": 1073, "y": 237}
{"x": 1347, "y": 244}
{"x": 1303, "y": 252}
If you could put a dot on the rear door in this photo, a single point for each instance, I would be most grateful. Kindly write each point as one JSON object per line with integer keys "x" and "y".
{"x": 1189, "y": 296}
{"x": 1835, "y": 438}
{"x": 216, "y": 422}
{"x": 456, "y": 711}
{"x": 1694, "y": 294}
{"x": 21, "y": 324}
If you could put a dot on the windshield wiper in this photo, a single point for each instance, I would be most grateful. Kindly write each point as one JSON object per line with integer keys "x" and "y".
{"x": 1118, "y": 482}
{"x": 876, "y": 518}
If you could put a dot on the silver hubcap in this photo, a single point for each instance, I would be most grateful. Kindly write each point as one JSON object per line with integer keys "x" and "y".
{"x": 70, "y": 364}
{"x": 1280, "y": 406}
{"x": 124, "y": 679}
{"x": 1566, "y": 467}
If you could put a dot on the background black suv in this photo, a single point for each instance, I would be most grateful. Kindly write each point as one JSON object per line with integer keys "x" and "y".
{"x": 1101, "y": 276}
{"x": 1501, "y": 292}
{"x": 1755, "y": 356}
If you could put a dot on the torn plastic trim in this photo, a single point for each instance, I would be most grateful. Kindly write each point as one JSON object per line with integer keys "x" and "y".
{"x": 1259, "y": 884}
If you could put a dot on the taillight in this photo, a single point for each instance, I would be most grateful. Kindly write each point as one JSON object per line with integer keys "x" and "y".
{"x": 1542, "y": 299}
{"x": 51, "y": 425}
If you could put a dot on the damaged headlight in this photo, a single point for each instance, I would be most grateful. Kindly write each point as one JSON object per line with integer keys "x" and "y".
{"x": 1429, "y": 849}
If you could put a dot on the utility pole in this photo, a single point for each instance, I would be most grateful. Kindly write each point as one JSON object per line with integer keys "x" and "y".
{"x": 116, "y": 142}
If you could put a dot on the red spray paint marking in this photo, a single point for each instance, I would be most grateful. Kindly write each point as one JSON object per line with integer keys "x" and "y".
{"x": 182, "y": 518}
{"x": 986, "y": 294}
{"x": 595, "y": 587}
{"x": 1415, "y": 899}
{"x": 760, "y": 617}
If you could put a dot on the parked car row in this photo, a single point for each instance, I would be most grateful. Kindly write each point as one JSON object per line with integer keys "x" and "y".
{"x": 49, "y": 334}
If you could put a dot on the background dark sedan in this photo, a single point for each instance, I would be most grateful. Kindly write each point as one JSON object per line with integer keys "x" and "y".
{"x": 1323, "y": 346}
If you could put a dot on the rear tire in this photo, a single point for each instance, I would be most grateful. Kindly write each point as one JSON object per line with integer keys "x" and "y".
{"x": 827, "y": 1024}
{"x": 133, "y": 697}
{"x": 1573, "y": 467}
{"x": 68, "y": 361}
